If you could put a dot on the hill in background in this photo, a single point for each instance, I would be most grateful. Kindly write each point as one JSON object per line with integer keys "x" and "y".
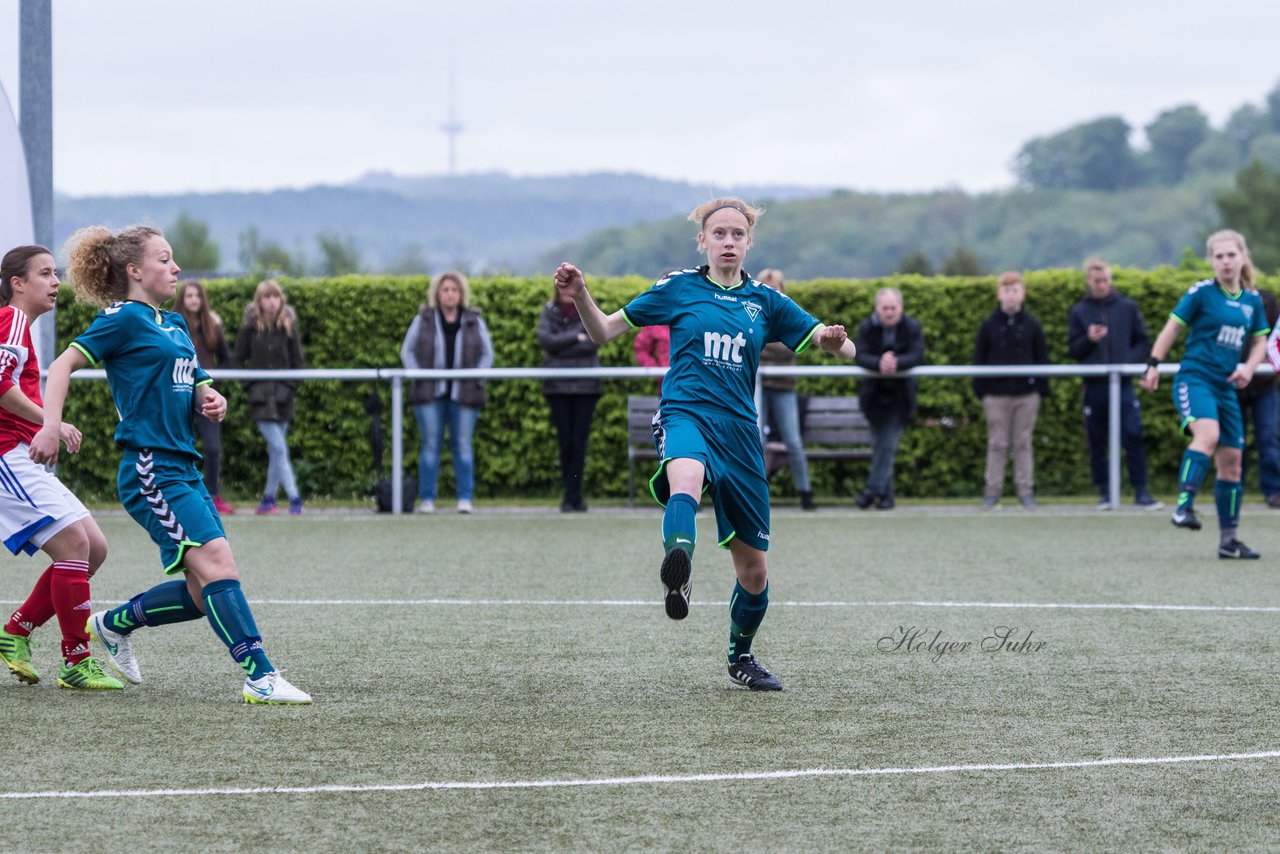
{"x": 489, "y": 221}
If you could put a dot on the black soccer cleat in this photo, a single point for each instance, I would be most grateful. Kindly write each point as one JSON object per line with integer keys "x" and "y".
{"x": 1236, "y": 550}
{"x": 677, "y": 582}
{"x": 747, "y": 671}
{"x": 1185, "y": 517}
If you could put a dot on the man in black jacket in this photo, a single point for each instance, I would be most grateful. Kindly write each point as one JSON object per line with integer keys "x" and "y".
{"x": 1106, "y": 328}
{"x": 888, "y": 342}
{"x": 1010, "y": 336}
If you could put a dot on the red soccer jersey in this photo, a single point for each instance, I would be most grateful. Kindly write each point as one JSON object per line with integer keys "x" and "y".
{"x": 18, "y": 366}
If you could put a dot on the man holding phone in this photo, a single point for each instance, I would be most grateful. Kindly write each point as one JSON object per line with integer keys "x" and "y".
{"x": 1106, "y": 328}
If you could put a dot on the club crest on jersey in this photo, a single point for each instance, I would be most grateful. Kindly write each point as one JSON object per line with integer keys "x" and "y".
{"x": 753, "y": 310}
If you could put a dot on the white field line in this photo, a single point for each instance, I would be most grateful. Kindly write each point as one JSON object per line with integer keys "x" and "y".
{"x": 651, "y": 603}
{"x": 645, "y": 780}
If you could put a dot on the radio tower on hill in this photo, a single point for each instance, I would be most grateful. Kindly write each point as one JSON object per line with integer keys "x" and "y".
{"x": 452, "y": 128}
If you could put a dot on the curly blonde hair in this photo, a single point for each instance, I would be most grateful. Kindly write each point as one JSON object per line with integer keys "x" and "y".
{"x": 706, "y": 209}
{"x": 97, "y": 261}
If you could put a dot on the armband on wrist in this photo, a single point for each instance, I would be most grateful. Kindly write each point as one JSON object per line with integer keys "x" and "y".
{"x": 1153, "y": 362}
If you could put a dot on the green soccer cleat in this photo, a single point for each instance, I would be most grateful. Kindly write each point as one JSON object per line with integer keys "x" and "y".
{"x": 16, "y": 652}
{"x": 88, "y": 675}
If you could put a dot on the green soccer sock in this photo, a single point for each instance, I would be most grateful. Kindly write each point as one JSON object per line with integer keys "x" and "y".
{"x": 163, "y": 604}
{"x": 679, "y": 531}
{"x": 1191, "y": 474}
{"x": 746, "y": 611}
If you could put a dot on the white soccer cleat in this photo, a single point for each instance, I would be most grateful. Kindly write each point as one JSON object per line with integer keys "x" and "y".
{"x": 464, "y": 505}
{"x": 274, "y": 690}
{"x": 119, "y": 648}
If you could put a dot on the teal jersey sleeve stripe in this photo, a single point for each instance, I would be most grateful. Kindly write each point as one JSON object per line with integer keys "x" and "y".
{"x": 208, "y": 381}
{"x": 628, "y": 319}
{"x": 1179, "y": 320}
{"x": 804, "y": 345}
{"x": 1266, "y": 331}
{"x": 93, "y": 363}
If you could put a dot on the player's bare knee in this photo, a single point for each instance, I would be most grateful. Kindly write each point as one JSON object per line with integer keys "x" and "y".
{"x": 71, "y": 543}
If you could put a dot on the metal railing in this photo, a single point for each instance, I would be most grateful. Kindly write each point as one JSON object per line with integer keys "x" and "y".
{"x": 396, "y": 377}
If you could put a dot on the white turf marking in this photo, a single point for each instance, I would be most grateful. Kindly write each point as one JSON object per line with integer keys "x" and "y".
{"x": 651, "y": 603}
{"x": 654, "y": 779}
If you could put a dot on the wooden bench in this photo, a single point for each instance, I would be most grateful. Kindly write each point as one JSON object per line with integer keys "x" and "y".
{"x": 832, "y": 428}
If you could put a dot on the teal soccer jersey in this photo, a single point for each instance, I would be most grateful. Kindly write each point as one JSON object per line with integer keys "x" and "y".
{"x": 716, "y": 336}
{"x": 152, "y": 370}
{"x": 1220, "y": 327}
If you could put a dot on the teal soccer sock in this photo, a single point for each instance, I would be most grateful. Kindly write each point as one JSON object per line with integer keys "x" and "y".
{"x": 1191, "y": 474}
{"x": 678, "y": 527}
{"x": 233, "y": 623}
{"x": 746, "y": 611}
{"x": 1227, "y": 494}
{"x": 163, "y": 604}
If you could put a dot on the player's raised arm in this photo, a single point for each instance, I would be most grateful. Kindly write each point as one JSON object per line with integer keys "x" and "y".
{"x": 601, "y": 327}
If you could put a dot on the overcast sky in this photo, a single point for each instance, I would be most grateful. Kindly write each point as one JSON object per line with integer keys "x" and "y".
{"x": 162, "y": 96}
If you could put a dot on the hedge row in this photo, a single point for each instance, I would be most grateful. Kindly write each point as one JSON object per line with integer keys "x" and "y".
{"x": 360, "y": 321}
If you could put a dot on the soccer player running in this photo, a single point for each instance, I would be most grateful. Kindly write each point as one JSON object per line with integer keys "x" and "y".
{"x": 158, "y": 386}
{"x": 705, "y": 427}
{"x": 1223, "y": 320}
{"x": 38, "y": 513}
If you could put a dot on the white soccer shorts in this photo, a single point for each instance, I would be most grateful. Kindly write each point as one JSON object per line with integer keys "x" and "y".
{"x": 34, "y": 505}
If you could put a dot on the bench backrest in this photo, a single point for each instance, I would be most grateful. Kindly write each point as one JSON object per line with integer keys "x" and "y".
{"x": 640, "y": 409}
{"x": 834, "y": 421}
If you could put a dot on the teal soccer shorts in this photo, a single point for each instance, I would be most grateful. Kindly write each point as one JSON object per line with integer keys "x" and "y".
{"x": 165, "y": 494}
{"x": 1196, "y": 398}
{"x": 730, "y": 450}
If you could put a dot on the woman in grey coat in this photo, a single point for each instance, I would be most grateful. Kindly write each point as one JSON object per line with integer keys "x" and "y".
{"x": 566, "y": 344}
{"x": 447, "y": 333}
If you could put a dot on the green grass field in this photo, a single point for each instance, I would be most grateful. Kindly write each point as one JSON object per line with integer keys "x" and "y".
{"x": 508, "y": 681}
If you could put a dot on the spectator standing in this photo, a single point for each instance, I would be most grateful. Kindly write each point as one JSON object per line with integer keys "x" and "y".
{"x": 1106, "y": 328}
{"x": 207, "y": 334}
{"x": 1010, "y": 336}
{"x": 653, "y": 349}
{"x": 779, "y": 405}
{"x": 1260, "y": 403}
{"x": 447, "y": 333}
{"x": 888, "y": 342}
{"x": 270, "y": 340}
{"x": 566, "y": 344}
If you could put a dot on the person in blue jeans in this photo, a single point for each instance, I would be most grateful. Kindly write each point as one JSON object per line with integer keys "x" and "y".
{"x": 888, "y": 342}
{"x": 780, "y": 407}
{"x": 270, "y": 339}
{"x": 447, "y": 333}
{"x": 1104, "y": 328}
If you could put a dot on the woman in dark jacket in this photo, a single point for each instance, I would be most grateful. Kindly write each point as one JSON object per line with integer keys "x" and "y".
{"x": 566, "y": 344}
{"x": 447, "y": 333}
{"x": 211, "y": 352}
{"x": 270, "y": 340}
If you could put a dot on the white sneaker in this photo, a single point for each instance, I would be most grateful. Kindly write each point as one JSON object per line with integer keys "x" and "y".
{"x": 119, "y": 648}
{"x": 426, "y": 506}
{"x": 464, "y": 505}
{"x": 274, "y": 690}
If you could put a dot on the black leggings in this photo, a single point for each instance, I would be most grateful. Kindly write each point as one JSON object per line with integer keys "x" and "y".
{"x": 571, "y": 415}
{"x": 211, "y": 448}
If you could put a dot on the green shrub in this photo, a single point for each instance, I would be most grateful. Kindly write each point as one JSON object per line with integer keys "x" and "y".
{"x": 360, "y": 322}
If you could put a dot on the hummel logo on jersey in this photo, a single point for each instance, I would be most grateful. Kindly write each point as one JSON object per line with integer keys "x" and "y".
{"x": 83, "y": 606}
{"x": 753, "y": 310}
{"x": 724, "y": 298}
{"x": 722, "y": 348}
